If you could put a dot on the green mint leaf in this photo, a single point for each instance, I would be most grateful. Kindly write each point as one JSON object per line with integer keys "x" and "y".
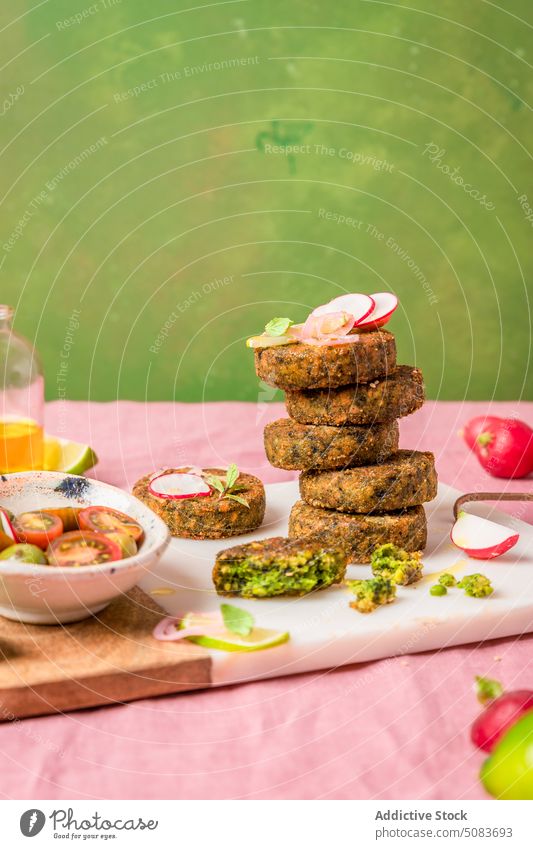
{"x": 236, "y": 620}
{"x": 215, "y": 482}
{"x": 278, "y": 326}
{"x": 238, "y": 498}
{"x": 487, "y": 689}
{"x": 231, "y": 475}
{"x": 237, "y": 487}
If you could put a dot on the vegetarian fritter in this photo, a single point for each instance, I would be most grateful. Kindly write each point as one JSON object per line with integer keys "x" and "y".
{"x": 208, "y": 516}
{"x": 357, "y": 533}
{"x": 405, "y": 479}
{"x": 391, "y": 397}
{"x": 290, "y": 445}
{"x": 276, "y": 567}
{"x": 302, "y": 366}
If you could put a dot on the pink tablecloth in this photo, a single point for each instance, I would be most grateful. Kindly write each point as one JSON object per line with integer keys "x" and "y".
{"x": 389, "y": 729}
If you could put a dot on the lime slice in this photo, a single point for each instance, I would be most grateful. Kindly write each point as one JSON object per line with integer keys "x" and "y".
{"x": 269, "y": 341}
{"x": 257, "y": 640}
{"x": 62, "y": 455}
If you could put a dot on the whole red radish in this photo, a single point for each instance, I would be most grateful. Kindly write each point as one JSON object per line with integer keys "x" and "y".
{"x": 477, "y": 425}
{"x": 505, "y": 449}
{"x": 501, "y": 712}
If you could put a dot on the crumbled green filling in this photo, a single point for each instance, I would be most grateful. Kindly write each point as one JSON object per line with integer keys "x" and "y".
{"x": 447, "y": 580}
{"x": 476, "y": 585}
{"x": 371, "y": 594}
{"x": 255, "y": 577}
{"x": 438, "y": 589}
{"x": 396, "y": 565}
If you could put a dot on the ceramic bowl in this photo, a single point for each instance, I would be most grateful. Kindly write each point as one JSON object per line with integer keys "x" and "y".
{"x": 49, "y": 595}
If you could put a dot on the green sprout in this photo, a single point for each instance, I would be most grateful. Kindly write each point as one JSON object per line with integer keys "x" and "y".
{"x": 278, "y": 326}
{"x": 228, "y": 487}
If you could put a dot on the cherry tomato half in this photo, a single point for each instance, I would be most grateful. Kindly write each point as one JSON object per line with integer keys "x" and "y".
{"x": 68, "y": 515}
{"x": 105, "y": 520}
{"x": 37, "y": 528}
{"x": 82, "y": 548}
{"x": 127, "y": 544}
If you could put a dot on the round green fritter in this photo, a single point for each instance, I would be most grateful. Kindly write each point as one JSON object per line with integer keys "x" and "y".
{"x": 290, "y": 445}
{"x": 208, "y": 516}
{"x": 391, "y": 397}
{"x": 405, "y": 479}
{"x": 359, "y": 534}
{"x": 278, "y": 567}
{"x": 301, "y": 366}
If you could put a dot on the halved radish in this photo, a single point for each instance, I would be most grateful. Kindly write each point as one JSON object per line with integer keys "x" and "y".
{"x": 178, "y": 485}
{"x": 481, "y": 538}
{"x": 385, "y": 304}
{"x": 360, "y": 306}
{"x": 7, "y": 531}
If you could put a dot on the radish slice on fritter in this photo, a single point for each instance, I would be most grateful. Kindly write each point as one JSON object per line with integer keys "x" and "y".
{"x": 357, "y": 305}
{"x": 178, "y": 485}
{"x": 385, "y": 304}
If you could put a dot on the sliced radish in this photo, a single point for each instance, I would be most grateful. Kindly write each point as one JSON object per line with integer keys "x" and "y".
{"x": 360, "y": 306}
{"x": 178, "y": 485}
{"x": 481, "y": 538}
{"x": 385, "y": 304}
{"x": 168, "y": 629}
{"x": 7, "y": 531}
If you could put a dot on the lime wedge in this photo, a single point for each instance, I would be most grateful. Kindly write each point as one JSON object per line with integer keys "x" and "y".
{"x": 62, "y": 455}
{"x": 51, "y": 453}
{"x": 265, "y": 341}
{"x": 257, "y": 640}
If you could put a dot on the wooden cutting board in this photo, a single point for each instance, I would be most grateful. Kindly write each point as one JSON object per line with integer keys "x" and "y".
{"x": 107, "y": 659}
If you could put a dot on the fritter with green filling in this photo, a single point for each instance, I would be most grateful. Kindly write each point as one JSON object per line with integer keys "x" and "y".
{"x": 277, "y": 567}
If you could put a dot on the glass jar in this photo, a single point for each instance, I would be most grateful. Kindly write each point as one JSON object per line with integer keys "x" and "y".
{"x": 21, "y": 400}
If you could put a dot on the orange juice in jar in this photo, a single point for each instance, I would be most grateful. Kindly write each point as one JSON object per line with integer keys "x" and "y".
{"x": 21, "y": 400}
{"x": 21, "y": 445}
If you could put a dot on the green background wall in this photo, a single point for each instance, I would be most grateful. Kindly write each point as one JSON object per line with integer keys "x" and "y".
{"x": 137, "y": 190}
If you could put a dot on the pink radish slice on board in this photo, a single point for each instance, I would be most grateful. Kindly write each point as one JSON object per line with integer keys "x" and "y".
{"x": 481, "y": 538}
{"x": 385, "y": 304}
{"x": 6, "y": 526}
{"x": 360, "y": 306}
{"x": 178, "y": 485}
{"x": 168, "y": 628}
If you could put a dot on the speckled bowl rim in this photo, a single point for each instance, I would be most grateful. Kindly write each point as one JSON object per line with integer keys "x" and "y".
{"x": 157, "y": 546}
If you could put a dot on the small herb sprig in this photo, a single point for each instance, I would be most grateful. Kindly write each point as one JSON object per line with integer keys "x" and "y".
{"x": 228, "y": 487}
{"x": 278, "y": 326}
{"x": 237, "y": 620}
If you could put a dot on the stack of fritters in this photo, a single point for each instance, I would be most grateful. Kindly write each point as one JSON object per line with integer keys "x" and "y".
{"x": 358, "y": 489}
